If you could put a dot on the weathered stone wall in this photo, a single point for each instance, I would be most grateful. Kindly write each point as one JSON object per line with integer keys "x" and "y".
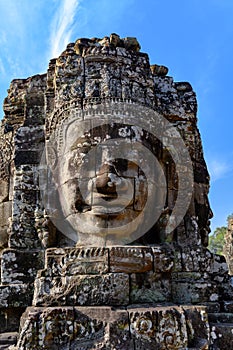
{"x": 72, "y": 83}
{"x": 159, "y": 268}
{"x": 106, "y": 328}
{"x": 22, "y": 139}
{"x": 228, "y": 246}
{"x": 106, "y": 69}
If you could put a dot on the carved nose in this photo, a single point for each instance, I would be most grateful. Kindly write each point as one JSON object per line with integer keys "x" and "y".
{"x": 107, "y": 179}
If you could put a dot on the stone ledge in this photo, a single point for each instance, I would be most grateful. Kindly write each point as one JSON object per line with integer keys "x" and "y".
{"x": 157, "y": 328}
{"x": 130, "y": 259}
{"x": 97, "y": 260}
{"x": 107, "y": 289}
{"x": 221, "y": 317}
{"x": 73, "y": 261}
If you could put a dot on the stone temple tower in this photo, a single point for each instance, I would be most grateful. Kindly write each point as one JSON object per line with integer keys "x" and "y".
{"x": 104, "y": 212}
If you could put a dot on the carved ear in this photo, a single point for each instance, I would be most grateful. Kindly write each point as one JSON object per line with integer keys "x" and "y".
{"x": 51, "y": 157}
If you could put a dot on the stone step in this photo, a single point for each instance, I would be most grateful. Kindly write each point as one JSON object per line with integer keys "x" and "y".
{"x": 220, "y": 317}
{"x": 221, "y": 336}
{"x": 147, "y": 328}
{"x": 7, "y": 339}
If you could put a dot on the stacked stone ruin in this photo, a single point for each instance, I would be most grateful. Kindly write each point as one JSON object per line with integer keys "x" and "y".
{"x": 228, "y": 245}
{"x": 159, "y": 292}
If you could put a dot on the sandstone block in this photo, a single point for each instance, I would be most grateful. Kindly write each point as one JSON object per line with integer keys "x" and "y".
{"x": 108, "y": 289}
{"x": 27, "y": 178}
{"x": 158, "y": 70}
{"x": 10, "y": 318}
{"x": 5, "y": 213}
{"x": 79, "y": 328}
{"x": 27, "y": 157}
{"x": 115, "y": 39}
{"x": 197, "y": 259}
{"x": 169, "y": 327}
{"x": 20, "y": 266}
{"x": 143, "y": 328}
{"x": 110, "y": 329}
{"x": 29, "y": 138}
{"x": 163, "y": 259}
{"x": 17, "y": 295}
{"x": 149, "y": 287}
{"x": 197, "y": 326}
{"x": 76, "y": 261}
{"x": 183, "y": 87}
{"x": 7, "y": 339}
{"x": 130, "y": 259}
{"x": 191, "y": 287}
{"x": 131, "y": 43}
{"x": 46, "y": 328}
{"x": 172, "y": 329}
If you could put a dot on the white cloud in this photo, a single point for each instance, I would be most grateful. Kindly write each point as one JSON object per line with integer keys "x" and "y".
{"x": 62, "y": 26}
{"x": 2, "y": 68}
{"x": 218, "y": 169}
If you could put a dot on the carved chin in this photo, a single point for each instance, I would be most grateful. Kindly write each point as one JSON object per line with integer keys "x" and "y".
{"x": 104, "y": 224}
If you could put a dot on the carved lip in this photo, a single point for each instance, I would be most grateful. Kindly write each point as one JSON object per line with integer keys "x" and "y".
{"x": 110, "y": 200}
{"x": 100, "y": 210}
{"x": 107, "y": 197}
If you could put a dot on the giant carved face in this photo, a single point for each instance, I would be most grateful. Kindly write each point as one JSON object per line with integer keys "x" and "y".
{"x": 102, "y": 188}
{"x": 110, "y": 177}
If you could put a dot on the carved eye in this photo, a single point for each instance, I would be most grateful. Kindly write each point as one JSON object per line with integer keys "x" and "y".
{"x": 82, "y": 142}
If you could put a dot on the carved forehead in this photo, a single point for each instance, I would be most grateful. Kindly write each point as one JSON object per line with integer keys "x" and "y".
{"x": 82, "y": 134}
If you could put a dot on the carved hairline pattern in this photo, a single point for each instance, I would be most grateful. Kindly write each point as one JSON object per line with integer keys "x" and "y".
{"x": 72, "y": 111}
{"x": 86, "y": 104}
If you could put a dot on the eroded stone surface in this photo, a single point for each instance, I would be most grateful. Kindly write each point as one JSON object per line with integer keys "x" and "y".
{"x": 88, "y": 72}
{"x": 75, "y": 328}
{"x": 104, "y": 328}
{"x": 150, "y": 287}
{"x": 130, "y": 259}
{"x": 160, "y": 266}
{"x": 108, "y": 289}
{"x": 68, "y": 262}
{"x": 228, "y": 246}
{"x": 19, "y": 266}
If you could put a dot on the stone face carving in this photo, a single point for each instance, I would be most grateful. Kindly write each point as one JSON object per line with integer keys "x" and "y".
{"x": 104, "y": 195}
{"x": 104, "y": 212}
{"x": 103, "y": 178}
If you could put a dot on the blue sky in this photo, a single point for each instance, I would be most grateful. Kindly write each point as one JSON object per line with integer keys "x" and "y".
{"x": 193, "y": 38}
